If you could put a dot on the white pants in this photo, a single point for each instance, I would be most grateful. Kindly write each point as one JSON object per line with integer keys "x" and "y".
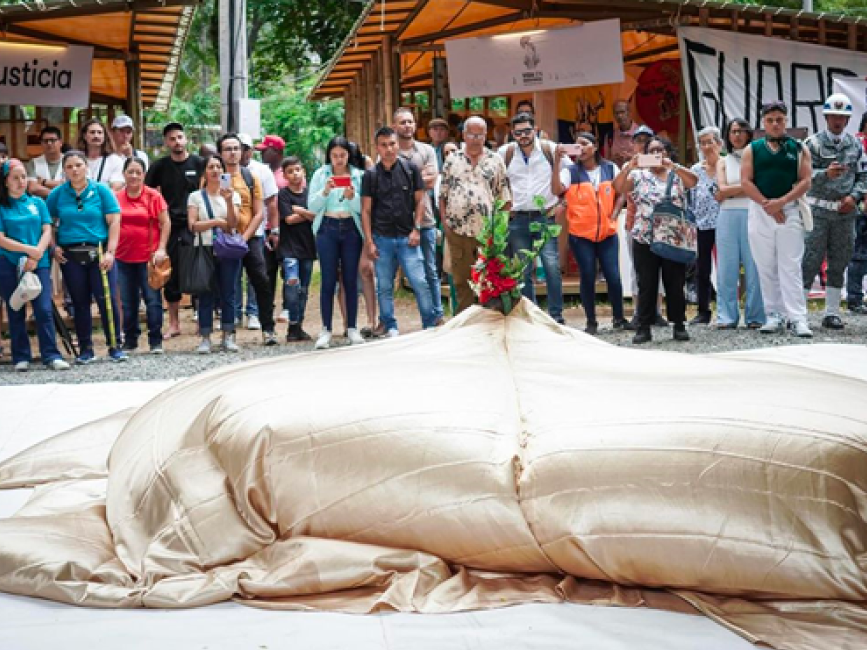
{"x": 778, "y": 250}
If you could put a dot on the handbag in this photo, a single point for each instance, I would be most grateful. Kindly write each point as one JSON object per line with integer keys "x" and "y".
{"x": 227, "y": 246}
{"x": 158, "y": 272}
{"x": 673, "y": 235}
{"x": 198, "y": 269}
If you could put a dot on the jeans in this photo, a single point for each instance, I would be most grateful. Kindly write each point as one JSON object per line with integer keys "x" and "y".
{"x": 649, "y": 266}
{"x": 394, "y": 251}
{"x": 42, "y": 312}
{"x": 339, "y": 245}
{"x": 252, "y": 305}
{"x": 84, "y": 282}
{"x": 732, "y": 251}
{"x": 227, "y": 272}
{"x": 855, "y": 282}
{"x": 428, "y": 247}
{"x": 520, "y": 238}
{"x": 297, "y": 274}
{"x": 133, "y": 281}
{"x": 587, "y": 253}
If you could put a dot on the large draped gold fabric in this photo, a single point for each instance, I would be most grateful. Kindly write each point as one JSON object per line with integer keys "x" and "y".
{"x": 490, "y": 462}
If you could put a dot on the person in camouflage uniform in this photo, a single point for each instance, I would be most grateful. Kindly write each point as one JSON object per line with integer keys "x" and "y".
{"x": 839, "y": 185}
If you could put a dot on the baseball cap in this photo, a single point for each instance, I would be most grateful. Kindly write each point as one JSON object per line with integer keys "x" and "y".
{"x": 273, "y": 141}
{"x": 437, "y": 121}
{"x": 643, "y": 130}
{"x": 172, "y": 126}
{"x": 246, "y": 140}
{"x": 122, "y": 121}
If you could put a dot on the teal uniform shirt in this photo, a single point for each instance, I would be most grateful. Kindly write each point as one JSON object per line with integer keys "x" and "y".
{"x": 81, "y": 217}
{"x": 23, "y": 222}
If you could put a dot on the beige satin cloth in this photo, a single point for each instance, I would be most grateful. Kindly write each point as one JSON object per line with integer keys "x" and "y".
{"x": 490, "y": 462}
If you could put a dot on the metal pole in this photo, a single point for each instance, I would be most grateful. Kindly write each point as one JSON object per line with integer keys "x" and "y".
{"x": 807, "y": 5}
{"x": 233, "y": 60}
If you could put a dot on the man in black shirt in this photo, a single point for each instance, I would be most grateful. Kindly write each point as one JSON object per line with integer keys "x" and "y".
{"x": 297, "y": 246}
{"x": 392, "y": 209}
{"x": 176, "y": 176}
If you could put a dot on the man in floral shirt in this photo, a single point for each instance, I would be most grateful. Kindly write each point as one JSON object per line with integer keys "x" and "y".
{"x": 473, "y": 180}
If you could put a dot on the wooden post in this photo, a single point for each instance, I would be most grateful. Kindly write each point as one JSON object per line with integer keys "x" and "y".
{"x": 133, "y": 98}
{"x": 793, "y": 28}
{"x": 388, "y": 76}
{"x": 736, "y": 21}
{"x": 347, "y": 105}
{"x": 371, "y": 101}
{"x": 703, "y": 14}
{"x": 853, "y": 36}
{"x": 681, "y": 126}
{"x": 769, "y": 25}
{"x": 823, "y": 32}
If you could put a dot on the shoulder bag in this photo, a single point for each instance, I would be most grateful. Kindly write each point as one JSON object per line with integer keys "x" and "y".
{"x": 673, "y": 235}
{"x": 227, "y": 246}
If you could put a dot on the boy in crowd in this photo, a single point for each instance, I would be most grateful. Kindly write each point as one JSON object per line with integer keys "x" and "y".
{"x": 297, "y": 246}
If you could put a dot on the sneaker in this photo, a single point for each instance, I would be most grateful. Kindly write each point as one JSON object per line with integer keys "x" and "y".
{"x": 393, "y": 333}
{"x": 293, "y": 334}
{"x": 157, "y": 349}
{"x": 660, "y": 321}
{"x": 57, "y": 364}
{"x": 270, "y": 338}
{"x": 117, "y": 355}
{"x": 773, "y": 325}
{"x": 680, "y": 333}
{"x": 366, "y": 332}
{"x": 204, "y": 346}
{"x": 129, "y": 346}
{"x": 324, "y": 340}
{"x": 632, "y": 325}
{"x": 560, "y": 320}
{"x": 283, "y": 317}
{"x": 832, "y": 322}
{"x": 354, "y": 336}
{"x": 304, "y": 335}
{"x": 642, "y": 336}
{"x": 229, "y": 344}
{"x": 858, "y": 309}
{"x": 85, "y": 358}
{"x": 703, "y": 318}
{"x": 620, "y": 324}
{"x": 22, "y": 366}
{"x": 802, "y": 330}
{"x": 253, "y": 323}
{"x": 591, "y": 328}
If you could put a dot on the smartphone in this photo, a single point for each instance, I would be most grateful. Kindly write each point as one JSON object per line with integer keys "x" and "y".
{"x": 225, "y": 181}
{"x": 342, "y": 181}
{"x": 572, "y": 149}
{"x": 650, "y": 160}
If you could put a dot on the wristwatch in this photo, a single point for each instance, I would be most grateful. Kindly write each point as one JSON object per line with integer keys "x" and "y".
{"x": 274, "y": 231}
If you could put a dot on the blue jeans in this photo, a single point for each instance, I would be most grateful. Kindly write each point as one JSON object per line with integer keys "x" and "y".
{"x": 394, "y": 251}
{"x": 42, "y": 312}
{"x": 252, "y": 304}
{"x": 84, "y": 283}
{"x": 296, "y": 282}
{"x": 133, "y": 281}
{"x": 520, "y": 238}
{"x": 607, "y": 252}
{"x": 227, "y": 273}
{"x": 339, "y": 245}
{"x": 855, "y": 282}
{"x": 431, "y": 274}
{"x": 732, "y": 250}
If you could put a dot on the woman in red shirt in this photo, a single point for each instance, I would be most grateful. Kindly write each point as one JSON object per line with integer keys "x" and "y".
{"x": 144, "y": 231}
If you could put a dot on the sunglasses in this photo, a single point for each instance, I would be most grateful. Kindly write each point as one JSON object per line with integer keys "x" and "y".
{"x": 79, "y": 203}
{"x": 50, "y": 141}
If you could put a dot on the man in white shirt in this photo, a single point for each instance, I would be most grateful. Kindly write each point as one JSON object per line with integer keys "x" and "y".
{"x": 529, "y": 164}
{"x": 122, "y": 129}
{"x": 268, "y": 227}
{"x": 45, "y": 172}
{"x": 103, "y": 164}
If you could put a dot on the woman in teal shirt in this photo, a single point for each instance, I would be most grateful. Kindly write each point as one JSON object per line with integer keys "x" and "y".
{"x": 25, "y": 236}
{"x": 88, "y": 218}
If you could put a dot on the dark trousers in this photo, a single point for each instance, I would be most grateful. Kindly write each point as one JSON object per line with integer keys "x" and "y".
{"x": 133, "y": 281}
{"x": 704, "y": 263}
{"x": 257, "y": 275}
{"x": 179, "y": 236}
{"x": 84, "y": 282}
{"x": 339, "y": 245}
{"x": 42, "y": 313}
{"x": 648, "y": 267}
{"x": 273, "y": 266}
{"x": 586, "y": 254}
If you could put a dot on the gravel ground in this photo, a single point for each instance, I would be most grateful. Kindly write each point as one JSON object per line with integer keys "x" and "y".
{"x": 179, "y": 360}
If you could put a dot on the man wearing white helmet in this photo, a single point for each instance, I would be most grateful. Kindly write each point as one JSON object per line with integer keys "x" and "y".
{"x": 839, "y": 185}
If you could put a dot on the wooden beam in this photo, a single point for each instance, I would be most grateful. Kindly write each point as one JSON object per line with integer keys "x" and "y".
{"x": 421, "y": 48}
{"x": 637, "y": 56}
{"x": 465, "y": 29}
{"x": 823, "y": 32}
{"x": 13, "y": 14}
{"x": 99, "y": 51}
{"x": 419, "y": 6}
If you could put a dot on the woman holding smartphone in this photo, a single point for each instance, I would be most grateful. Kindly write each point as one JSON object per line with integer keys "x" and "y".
{"x": 216, "y": 206}
{"x": 335, "y": 199}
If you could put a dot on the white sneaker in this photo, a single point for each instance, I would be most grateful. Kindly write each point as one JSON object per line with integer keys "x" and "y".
{"x": 355, "y": 338}
{"x": 57, "y": 364}
{"x": 22, "y": 366}
{"x": 773, "y": 325}
{"x": 392, "y": 333}
{"x": 802, "y": 330}
{"x": 253, "y": 323}
{"x": 283, "y": 317}
{"x": 229, "y": 344}
{"x": 324, "y": 340}
{"x": 204, "y": 346}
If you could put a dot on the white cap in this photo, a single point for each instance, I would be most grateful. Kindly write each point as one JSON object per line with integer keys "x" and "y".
{"x": 122, "y": 121}
{"x": 246, "y": 140}
{"x": 29, "y": 287}
{"x": 837, "y": 104}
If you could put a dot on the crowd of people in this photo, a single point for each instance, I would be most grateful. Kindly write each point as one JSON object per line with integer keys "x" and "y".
{"x": 767, "y": 210}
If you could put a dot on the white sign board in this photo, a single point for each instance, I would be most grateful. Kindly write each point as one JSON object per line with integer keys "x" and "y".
{"x": 856, "y": 90}
{"x": 249, "y": 117}
{"x": 534, "y": 61}
{"x": 729, "y": 74}
{"x": 45, "y": 75}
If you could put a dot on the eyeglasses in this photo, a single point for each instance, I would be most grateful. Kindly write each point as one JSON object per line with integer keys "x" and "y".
{"x": 50, "y": 140}
{"x": 520, "y": 132}
{"x": 737, "y": 132}
{"x": 231, "y": 148}
{"x": 656, "y": 150}
{"x": 474, "y": 136}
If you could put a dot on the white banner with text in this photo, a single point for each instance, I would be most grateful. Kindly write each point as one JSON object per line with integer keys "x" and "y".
{"x": 535, "y": 60}
{"x": 45, "y": 75}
